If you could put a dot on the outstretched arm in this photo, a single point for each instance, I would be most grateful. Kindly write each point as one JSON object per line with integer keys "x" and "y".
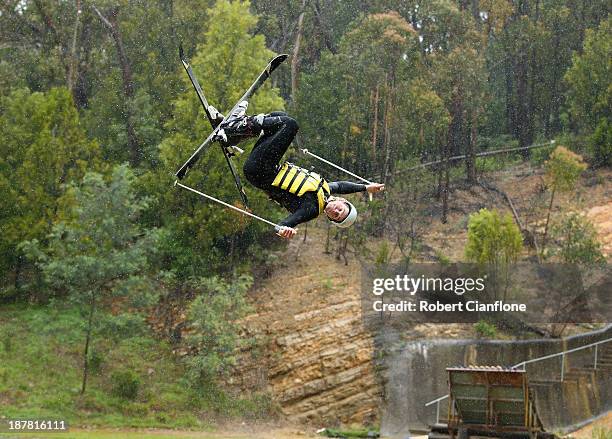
{"x": 346, "y": 187}
{"x": 306, "y": 212}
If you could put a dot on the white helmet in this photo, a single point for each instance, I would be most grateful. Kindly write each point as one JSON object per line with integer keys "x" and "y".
{"x": 350, "y": 218}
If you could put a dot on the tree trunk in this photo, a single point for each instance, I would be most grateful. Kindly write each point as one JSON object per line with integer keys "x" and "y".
{"x": 522, "y": 102}
{"x": 470, "y": 162}
{"x": 552, "y": 197}
{"x": 456, "y": 137}
{"x": 232, "y": 248}
{"x": 445, "y": 189}
{"x": 295, "y": 59}
{"x": 532, "y": 68}
{"x": 375, "y": 124}
{"x": 327, "y": 34}
{"x": 80, "y": 92}
{"x": 87, "y": 342}
{"x": 342, "y": 244}
{"x": 72, "y": 65}
{"x": 510, "y": 108}
{"x": 386, "y": 133}
{"x": 551, "y": 123}
{"x": 18, "y": 269}
{"x": 444, "y": 176}
{"x": 439, "y": 179}
{"x": 555, "y": 102}
{"x": 476, "y": 13}
{"x": 128, "y": 84}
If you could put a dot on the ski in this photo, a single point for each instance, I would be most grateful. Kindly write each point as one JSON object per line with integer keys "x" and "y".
{"x": 211, "y": 117}
{"x": 241, "y": 191}
{"x": 272, "y": 65}
{"x": 214, "y": 122}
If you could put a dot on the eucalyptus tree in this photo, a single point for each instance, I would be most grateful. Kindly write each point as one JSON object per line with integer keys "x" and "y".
{"x": 97, "y": 257}
{"x": 590, "y": 94}
{"x": 205, "y": 237}
{"x": 42, "y": 148}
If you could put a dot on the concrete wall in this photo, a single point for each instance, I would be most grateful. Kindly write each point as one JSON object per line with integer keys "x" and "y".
{"x": 415, "y": 374}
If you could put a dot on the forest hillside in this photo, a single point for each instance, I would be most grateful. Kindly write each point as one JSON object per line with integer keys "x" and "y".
{"x": 127, "y": 300}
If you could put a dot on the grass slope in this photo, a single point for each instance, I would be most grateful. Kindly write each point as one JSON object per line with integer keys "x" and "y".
{"x": 41, "y": 373}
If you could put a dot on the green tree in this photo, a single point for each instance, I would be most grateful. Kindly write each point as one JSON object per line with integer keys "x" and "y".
{"x": 563, "y": 169}
{"x": 452, "y": 49}
{"x": 354, "y": 105}
{"x": 459, "y": 77}
{"x": 378, "y": 54}
{"x": 578, "y": 242}
{"x": 205, "y": 236}
{"x": 98, "y": 256}
{"x": 493, "y": 238}
{"x": 49, "y": 44}
{"x": 42, "y": 148}
{"x": 590, "y": 90}
{"x": 427, "y": 119}
{"x": 213, "y": 315}
{"x": 350, "y": 105}
{"x": 494, "y": 241}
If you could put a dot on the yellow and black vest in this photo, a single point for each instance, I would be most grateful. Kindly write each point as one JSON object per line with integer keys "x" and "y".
{"x": 298, "y": 181}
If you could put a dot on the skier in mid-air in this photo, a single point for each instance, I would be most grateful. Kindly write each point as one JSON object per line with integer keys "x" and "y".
{"x": 303, "y": 193}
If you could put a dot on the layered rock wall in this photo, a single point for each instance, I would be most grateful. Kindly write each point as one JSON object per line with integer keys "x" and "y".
{"x": 314, "y": 355}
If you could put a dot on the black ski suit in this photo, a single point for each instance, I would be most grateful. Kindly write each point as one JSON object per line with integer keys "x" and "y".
{"x": 263, "y": 164}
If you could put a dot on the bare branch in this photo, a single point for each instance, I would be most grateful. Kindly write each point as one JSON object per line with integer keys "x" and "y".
{"x": 102, "y": 17}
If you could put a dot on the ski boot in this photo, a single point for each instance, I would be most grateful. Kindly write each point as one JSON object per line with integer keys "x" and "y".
{"x": 238, "y": 127}
{"x": 215, "y": 115}
{"x": 216, "y": 118}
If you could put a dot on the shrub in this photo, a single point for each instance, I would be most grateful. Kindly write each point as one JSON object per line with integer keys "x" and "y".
{"x": 125, "y": 384}
{"x": 484, "y": 329}
{"x": 7, "y": 342}
{"x": 578, "y": 241}
{"x": 600, "y": 144}
{"x": 563, "y": 169}
{"x": 213, "y": 316}
{"x": 601, "y": 433}
{"x": 96, "y": 359}
{"x": 539, "y": 156}
{"x": 442, "y": 258}
{"x": 494, "y": 242}
{"x": 493, "y": 239}
{"x": 384, "y": 254}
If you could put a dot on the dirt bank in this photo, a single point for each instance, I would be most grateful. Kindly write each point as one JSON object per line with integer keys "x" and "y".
{"x": 604, "y": 422}
{"x": 230, "y": 432}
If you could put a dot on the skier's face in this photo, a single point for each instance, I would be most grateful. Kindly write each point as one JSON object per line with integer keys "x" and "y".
{"x": 336, "y": 209}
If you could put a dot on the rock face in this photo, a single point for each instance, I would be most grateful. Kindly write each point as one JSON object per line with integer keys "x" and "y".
{"x": 310, "y": 349}
{"x": 314, "y": 356}
{"x": 601, "y": 216}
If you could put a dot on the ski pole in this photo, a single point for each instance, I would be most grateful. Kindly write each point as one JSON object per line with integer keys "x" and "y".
{"x": 305, "y": 151}
{"x": 276, "y": 226}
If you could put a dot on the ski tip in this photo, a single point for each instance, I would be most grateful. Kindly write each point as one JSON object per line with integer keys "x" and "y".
{"x": 181, "y": 53}
{"x": 276, "y": 61}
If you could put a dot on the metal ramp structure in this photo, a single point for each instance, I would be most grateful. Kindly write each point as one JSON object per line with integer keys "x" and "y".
{"x": 489, "y": 401}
